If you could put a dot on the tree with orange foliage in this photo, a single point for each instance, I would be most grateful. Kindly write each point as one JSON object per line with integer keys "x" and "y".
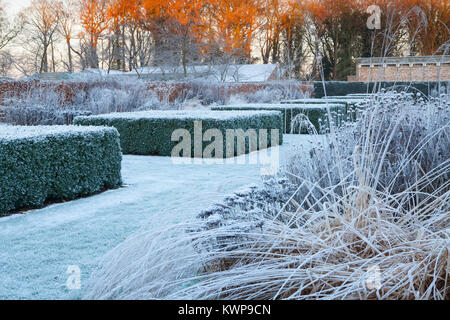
{"x": 237, "y": 22}
{"x": 176, "y": 29}
{"x": 224, "y": 32}
{"x": 429, "y": 30}
{"x": 121, "y": 14}
{"x": 293, "y": 30}
{"x": 67, "y": 16}
{"x": 94, "y": 20}
{"x": 271, "y": 25}
{"x": 281, "y": 35}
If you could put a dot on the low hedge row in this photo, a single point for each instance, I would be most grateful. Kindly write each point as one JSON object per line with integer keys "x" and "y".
{"x": 354, "y": 104}
{"x": 342, "y": 88}
{"x": 151, "y": 132}
{"x": 52, "y": 163}
{"x": 345, "y": 98}
{"x": 348, "y": 101}
{"x": 316, "y": 113}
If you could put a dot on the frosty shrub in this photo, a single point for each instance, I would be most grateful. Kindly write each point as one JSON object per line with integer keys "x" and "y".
{"x": 365, "y": 216}
{"x": 48, "y": 163}
{"x": 41, "y": 115}
{"x": 269, "y": 95}
{"x": 118, "y": 97}
{"x": 47, "y": 105}
{"x": 33, "y": 103}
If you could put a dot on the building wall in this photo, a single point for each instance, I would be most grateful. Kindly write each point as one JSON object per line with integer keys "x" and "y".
{"x": 274, "y": 75}
{"x": 403, "y": 72}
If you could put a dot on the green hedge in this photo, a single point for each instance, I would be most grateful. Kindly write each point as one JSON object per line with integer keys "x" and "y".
{"x": 52, "y": 163}
{"x": 360, "y": 95}
{"x": 348, "y": 101}
{"x": 352, "y": 105}
{"x": 316, "y": 113}
{"x": 150, "y": 132}
{"x": 345, "y": 98}
{"x": 342, "y": 88}
{"x": 319, "y": 101}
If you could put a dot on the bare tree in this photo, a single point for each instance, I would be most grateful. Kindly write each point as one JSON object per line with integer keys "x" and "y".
{"x": 41, "y": 22}
{"x": 68, "y": 14}
{"x": 8, "y": 31}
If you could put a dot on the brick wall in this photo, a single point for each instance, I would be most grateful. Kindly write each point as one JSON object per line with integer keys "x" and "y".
{"x": 403, "y": 72}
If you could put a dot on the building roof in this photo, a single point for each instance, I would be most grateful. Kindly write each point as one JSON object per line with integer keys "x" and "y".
{"x": 224, "y": 73}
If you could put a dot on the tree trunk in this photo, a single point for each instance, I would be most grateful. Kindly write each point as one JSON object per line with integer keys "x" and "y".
{"x": 53, "y": 57}
{"x": 183, "y": 54}
{"x": 69, "y": 53}
{"x": 44, "y": 61}
{"x": 122, "y": 46}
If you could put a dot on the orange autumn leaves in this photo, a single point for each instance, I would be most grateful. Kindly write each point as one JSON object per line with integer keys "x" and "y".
{"x": 230, "y": 24}
{"x": 235, "y": 24}
{"x": 427, "y": 22}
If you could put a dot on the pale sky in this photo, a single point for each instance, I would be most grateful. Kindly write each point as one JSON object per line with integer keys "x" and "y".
{"x": 14, "y": 6}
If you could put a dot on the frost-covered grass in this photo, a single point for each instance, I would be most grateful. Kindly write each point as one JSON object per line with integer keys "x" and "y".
{"x": 49, "y": 105}
{"x": 37, "y": 247}
{"x": 364, "y": 216}
{"x": 59, "y": 103}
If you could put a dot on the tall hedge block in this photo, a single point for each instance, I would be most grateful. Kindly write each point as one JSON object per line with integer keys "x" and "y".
{"x": 316, "y": 113}
{"x": 52, "y": 163}
{"x": 151, "y": 132}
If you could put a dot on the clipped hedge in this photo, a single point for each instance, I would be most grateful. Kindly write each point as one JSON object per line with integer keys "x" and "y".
{"x": 52, "y": 163}
{"x": 348, "y": 101}
{"x": 316, "y": 114}
{"x": 342, "y": 88}
{"x": 312, "y": 101}
{"x": 150, "y": 132}
{"x": 345, "y": 98}
{"x": 353, "y": 104}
